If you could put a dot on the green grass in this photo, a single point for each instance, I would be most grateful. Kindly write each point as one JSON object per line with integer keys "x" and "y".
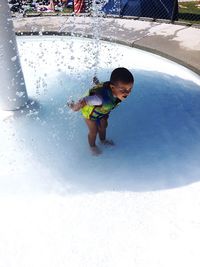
{"x": 189, "y": 12}
{"x": 31, "y": 13}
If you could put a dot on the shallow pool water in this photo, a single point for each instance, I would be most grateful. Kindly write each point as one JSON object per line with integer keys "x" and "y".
{"x": 156, "y": 130}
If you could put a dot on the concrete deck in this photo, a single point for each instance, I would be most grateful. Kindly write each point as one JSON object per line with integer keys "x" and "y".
{"x": 176, "y": 42}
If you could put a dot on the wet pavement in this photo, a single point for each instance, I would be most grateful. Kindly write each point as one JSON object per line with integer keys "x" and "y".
{"x": 176, "y": 42}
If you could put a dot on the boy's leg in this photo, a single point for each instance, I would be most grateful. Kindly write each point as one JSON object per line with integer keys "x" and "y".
{"x": 102, "y": 131}
{"x": 92, "y": 126}
{"x": 102, "y": 128}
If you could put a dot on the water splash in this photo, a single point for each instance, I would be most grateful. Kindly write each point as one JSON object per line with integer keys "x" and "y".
{"x": 97, "y": 20}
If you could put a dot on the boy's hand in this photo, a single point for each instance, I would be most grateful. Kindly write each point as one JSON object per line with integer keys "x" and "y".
{"x": 95, "y": 80}
{"x": 76, "y": 106}
{"x": 73, "y": 106}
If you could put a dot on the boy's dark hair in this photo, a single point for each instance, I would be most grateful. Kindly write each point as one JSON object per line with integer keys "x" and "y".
{"x": 121, "y": 75}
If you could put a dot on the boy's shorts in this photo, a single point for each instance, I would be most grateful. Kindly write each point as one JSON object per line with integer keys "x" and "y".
{"x": 98, "y": 120}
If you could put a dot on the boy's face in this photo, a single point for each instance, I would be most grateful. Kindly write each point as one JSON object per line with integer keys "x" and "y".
{"x": 121, "y": 90}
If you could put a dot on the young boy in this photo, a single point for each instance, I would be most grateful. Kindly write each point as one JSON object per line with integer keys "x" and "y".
{"x": 100, "y": 100}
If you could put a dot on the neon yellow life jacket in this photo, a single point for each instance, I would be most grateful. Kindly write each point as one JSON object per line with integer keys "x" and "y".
{"x": 109, "y": 102}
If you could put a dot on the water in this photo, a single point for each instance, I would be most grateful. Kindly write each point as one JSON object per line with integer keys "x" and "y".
{"x": 156, "y": 129}
{"x": 59, "y": 205}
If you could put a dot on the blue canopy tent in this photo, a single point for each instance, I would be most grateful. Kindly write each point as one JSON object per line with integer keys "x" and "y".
{"x": 163, "y": 9}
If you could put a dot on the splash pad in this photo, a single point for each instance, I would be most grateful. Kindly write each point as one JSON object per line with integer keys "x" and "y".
{"x": 49, "y": 174}
{"x": 156, "y": 129}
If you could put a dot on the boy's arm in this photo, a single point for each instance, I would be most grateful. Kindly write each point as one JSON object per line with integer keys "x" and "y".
{"x": 77, "y": 106}
{"x": 93, "y": 100}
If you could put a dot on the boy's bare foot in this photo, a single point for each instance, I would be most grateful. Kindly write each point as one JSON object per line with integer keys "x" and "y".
{"x": 95, "y": 151}
{"x": 107, "y": 142}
